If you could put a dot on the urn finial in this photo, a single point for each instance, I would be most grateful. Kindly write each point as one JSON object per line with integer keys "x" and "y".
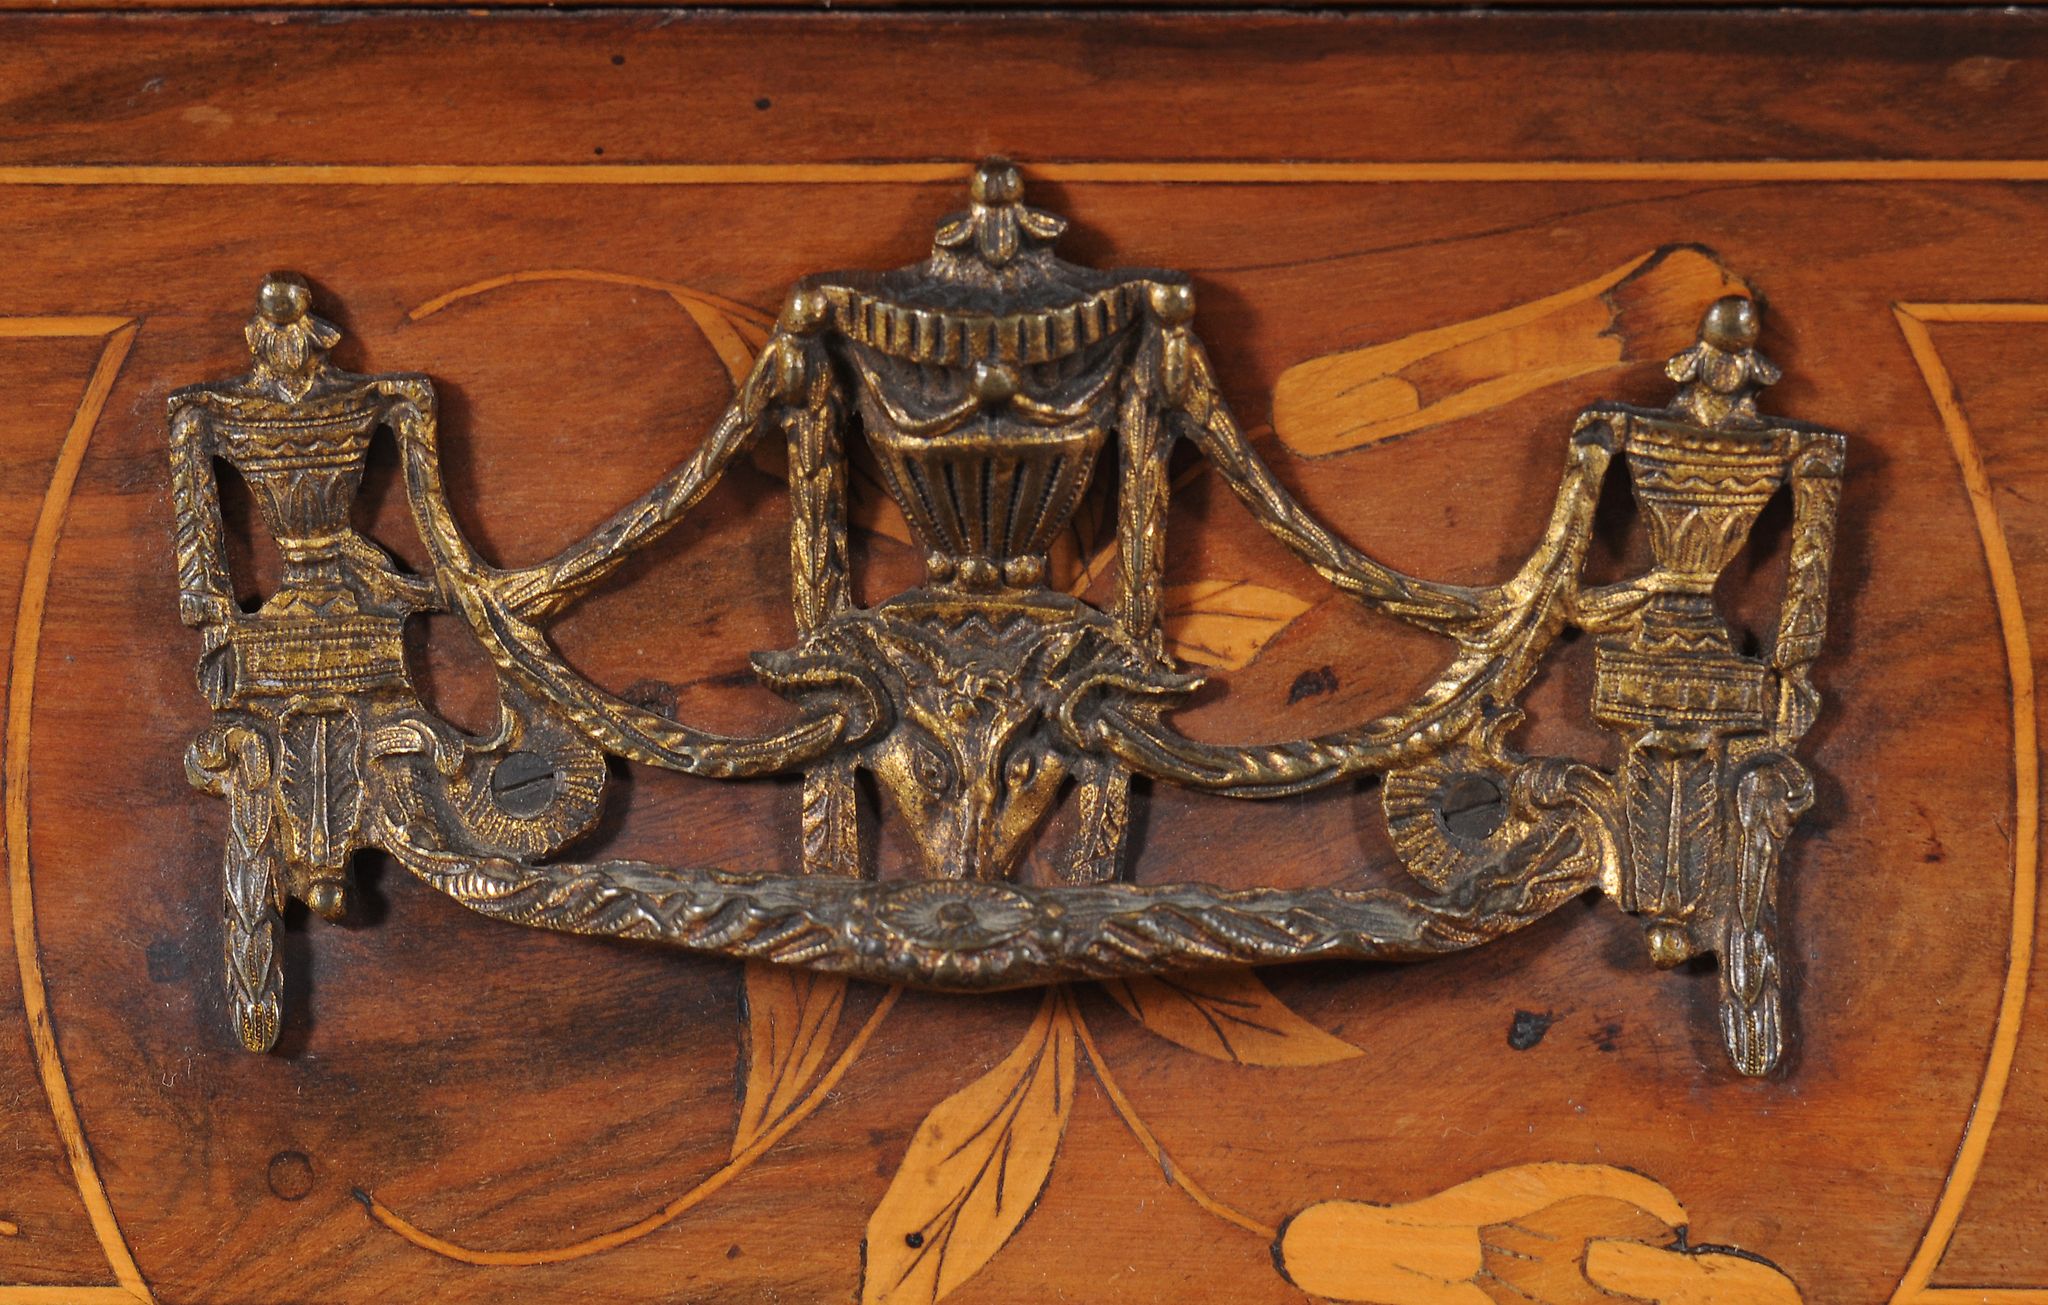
{"x": 998, "y": 222}
{"x": 287, "y": 341}
{"x": 1719, "y": 376}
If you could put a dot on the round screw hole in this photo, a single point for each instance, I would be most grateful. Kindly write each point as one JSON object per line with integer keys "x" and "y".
{"x": 290, "y": 1175}
{"x": 1472, "y": 807}
{"x": 523, "y": 783}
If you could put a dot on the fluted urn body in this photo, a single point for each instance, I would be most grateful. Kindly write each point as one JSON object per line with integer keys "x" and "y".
{"x": 988, "y": 378}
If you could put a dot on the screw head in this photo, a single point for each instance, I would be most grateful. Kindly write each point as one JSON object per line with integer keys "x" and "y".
{"x": 523, "y": 783}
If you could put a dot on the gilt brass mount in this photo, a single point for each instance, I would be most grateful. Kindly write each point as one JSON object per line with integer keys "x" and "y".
{"x": 990, "y": 380}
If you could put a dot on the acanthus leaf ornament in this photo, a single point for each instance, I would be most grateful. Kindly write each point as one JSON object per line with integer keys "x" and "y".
{"x": 992, "y": 381}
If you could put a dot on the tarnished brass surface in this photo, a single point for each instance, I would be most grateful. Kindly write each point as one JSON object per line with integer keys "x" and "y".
{"x": 989, "y": 380}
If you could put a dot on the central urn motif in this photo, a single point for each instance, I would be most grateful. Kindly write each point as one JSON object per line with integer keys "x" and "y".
{"x": 989, "y": 378}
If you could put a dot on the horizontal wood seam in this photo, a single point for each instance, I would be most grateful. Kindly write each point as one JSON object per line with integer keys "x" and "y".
{"x": 1077, "y": 9}
{"x": 927, "y": 172}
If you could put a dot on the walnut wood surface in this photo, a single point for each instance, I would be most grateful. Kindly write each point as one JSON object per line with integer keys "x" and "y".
{"x": 505, "y": 1090}
{"x": 1012, "y": 7}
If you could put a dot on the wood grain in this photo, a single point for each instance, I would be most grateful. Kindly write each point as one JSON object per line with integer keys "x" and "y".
{"x": 1443, "y": 89}
{"x": 1335, "y": 184}
{"x": 1001, "y": 7}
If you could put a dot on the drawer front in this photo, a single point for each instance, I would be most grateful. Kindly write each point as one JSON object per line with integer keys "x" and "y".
{"x": 1421, "y": 246}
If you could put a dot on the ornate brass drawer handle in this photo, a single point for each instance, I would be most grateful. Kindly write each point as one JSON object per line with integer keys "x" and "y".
{"x": 988, "y": 380}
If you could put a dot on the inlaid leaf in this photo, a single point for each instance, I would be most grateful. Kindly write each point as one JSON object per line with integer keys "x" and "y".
{"x": 1541, "y": 1255}
{"x": 735, "y": 331}
{"x": 1643, "y": 311}
{"x": 1224, "y": 624}
{"x": 974, "y": 1169}
{"x": 1673, "y": 1277}
{"x": 736, "y": 335}
{"x": 791, "y": 1014}
{"x": 1230, "y": 1015}
{"x": 1514, "y": 1236}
